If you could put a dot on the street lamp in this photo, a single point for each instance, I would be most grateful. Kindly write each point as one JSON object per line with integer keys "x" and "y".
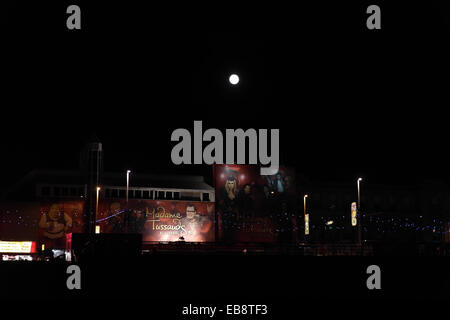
{"x": 128, "y": 182}
{"x": 306, "y": 216}
{"x": 359, "y": 194}
{"x": 96, "y": 203}
{"x": 359, "y": 211}
{"x": 304, "y": 203}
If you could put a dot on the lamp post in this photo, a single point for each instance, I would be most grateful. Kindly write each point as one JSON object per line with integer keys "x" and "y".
{"x": 128, "y": 182}
{"x": 96, "y": 204}
{"x": 359, "y": 211}
{"x": 304, "y": 203}
{"x": 306, "y": 216}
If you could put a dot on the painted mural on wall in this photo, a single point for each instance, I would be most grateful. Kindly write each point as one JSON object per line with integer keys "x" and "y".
{"x": 159, "y": 220}
{"x": 44, "y": 222}
{"x": 58, "y": 219}
{"x": 252, "y": 207}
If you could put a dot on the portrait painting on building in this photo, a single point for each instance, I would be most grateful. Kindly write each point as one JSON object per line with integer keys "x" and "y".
{"x": 159, "y": 220}
{"x": 44, "y": 222}
{"x": 249, "y": 204}
{"x": 58, "y": 219}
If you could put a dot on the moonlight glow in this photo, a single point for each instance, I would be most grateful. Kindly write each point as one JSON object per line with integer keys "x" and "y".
{"x": 234, "y": 79}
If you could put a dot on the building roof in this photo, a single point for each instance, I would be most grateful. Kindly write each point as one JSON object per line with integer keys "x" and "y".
{"x": 76, "y": 177}
{"x": 157, "y": 181}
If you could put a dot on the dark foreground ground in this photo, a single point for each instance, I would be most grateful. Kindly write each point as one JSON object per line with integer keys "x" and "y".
{"x": 159, "y": 285}
{"x": 218, "y": 278}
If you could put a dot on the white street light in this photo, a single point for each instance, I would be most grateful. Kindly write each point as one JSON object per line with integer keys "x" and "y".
{"x": 128, "y": 182}
{"x": 304, "y": 203}
{"x": 359, "y": 193}
{"x": 96, "y": 203}
{"x": 359, "y": 212}
{"x": 306, "y": 216}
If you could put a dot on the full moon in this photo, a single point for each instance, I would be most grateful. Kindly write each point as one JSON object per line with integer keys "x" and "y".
{"x": 234, "y": 79}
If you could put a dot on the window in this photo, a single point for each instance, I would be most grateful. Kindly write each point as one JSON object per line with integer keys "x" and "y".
{"x": 146, "y": 194}
{"x": 115, "y": 193}
{"x": 122, "y": 193}
{"x": 206, "y": 197}
{"x": 56, "y": 191}
{"x": 168, "y": 195}
{"x": 65, "y": 192}
{"x": 73, "y": 192}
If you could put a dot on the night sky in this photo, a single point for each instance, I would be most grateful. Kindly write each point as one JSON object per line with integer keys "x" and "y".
{"x": 348, "y": 101}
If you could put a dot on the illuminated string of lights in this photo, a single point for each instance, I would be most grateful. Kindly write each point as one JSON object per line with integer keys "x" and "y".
{"x": 111, "y": 216}
{"x": 386, "y": 224}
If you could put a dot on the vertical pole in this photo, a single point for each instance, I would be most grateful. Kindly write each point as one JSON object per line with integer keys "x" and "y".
{"x": 359, "y": 215}
{"x": 128, "y": 184}
{"x": 304, "y": 216}
{"x": 96, "y": 206}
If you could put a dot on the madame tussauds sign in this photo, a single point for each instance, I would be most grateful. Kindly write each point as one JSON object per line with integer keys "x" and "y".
{"x": 213, "y": 152}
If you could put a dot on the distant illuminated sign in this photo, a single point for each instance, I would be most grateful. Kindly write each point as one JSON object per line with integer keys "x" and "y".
{"x": 354, "y": 211}
{"x": 17, "y": 246}
{"x": 307, "y": 224}
{"x": 17, "y": 257}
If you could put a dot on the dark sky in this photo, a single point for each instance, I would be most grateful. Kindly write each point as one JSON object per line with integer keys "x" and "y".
{"x": 348, "y": 101}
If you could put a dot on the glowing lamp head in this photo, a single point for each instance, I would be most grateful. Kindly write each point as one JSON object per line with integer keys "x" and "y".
{"x": 234, "y": 79}
{"x": 359, "y": 179}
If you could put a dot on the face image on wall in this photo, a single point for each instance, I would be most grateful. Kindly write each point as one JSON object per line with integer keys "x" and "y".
{"x": 159, "y": 220}
{"x": 47, "y": 223}
{"x": 250, "y": 206}
{"x": 58, "y": 219}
